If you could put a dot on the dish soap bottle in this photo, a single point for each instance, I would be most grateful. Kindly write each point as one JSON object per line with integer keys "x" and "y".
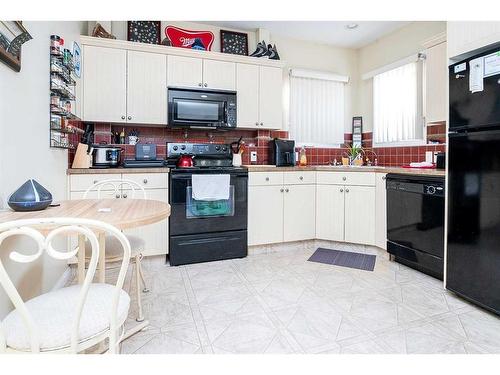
{"x": 122, "y": 137}
{"x": 302, "y": 157}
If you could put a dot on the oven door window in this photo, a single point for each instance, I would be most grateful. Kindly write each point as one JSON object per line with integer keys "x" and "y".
{"x": 198, "y": 111}
{"x": 200, "y": 209}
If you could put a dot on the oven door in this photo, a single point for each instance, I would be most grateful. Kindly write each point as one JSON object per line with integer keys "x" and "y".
{"x": 196, "y": 108}
{"x": 189, "y": 216}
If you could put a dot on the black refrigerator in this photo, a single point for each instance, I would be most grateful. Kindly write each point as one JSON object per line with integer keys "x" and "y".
{"x": 473, "y": 252}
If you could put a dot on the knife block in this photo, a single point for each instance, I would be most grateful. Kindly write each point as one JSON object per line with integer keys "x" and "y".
{"x": 82, "y": 159}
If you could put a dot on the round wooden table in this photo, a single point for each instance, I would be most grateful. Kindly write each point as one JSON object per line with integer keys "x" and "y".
{"x": 121, "y": 213}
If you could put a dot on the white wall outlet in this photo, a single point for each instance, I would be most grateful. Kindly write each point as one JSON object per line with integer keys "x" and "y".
{"x": 428, "y": 156}
{"x": 253, "y": 156}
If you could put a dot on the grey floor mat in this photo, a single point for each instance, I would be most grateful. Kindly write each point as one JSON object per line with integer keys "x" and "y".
{"x": 344, "y": 259}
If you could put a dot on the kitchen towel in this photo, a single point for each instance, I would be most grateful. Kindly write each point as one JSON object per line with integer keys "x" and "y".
{"x": 210, "y": 187}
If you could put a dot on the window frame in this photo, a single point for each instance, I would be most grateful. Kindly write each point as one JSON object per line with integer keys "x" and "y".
{"x": 420, "y": 116}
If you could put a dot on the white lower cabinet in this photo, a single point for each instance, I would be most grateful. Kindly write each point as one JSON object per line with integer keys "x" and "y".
{"x": 265, "y": 214}
{"x": 330, "y": 212}
{"x": 346, "y": 212}
{"x": 380, "y": 212}
{"x": 155, "y": 185}
{"x": 299, "y": 211}
{"x": 279, "y": 212}
{"x": 359, "y": 214}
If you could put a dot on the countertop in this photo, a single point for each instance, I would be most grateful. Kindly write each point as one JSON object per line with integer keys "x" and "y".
{"x": 117, "y": 170}
{"x": 411, "y": 171}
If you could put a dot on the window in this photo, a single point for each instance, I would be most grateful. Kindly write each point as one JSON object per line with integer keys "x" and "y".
{"x": 397, "y": 106}
{"x": 317, "y": 109}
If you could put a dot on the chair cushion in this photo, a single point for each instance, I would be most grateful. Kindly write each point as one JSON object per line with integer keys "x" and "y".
{"x": 114, "y": 248}
{"x": 54, "y": 313}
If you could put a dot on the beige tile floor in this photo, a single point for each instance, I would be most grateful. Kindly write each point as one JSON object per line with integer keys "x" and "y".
{"x": 275, "y": 301}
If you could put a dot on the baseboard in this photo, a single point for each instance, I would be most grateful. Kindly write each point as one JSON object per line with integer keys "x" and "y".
{"x": 68, "y": 275}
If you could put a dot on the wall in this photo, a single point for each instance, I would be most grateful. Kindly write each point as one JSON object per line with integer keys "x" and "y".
{"x": 24, "y": 147}
{"x": 388, "y": 49}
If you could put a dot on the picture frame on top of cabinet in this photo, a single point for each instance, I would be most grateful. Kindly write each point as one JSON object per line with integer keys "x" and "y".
{"x": 234, "y": 42}
{"x": 144, "y": 31}
{"x": 12, "y": 36}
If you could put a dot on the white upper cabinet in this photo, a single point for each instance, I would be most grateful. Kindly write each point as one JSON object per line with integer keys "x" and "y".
{"x": 466, "y": 36}
{"x": 104, "y": 84}
{"x": 184, "y": 71}
{"x": 271, "y": 97}
{"x": 219, "y": 75}
{"x": 247, "y": 86}
{"x": 147, "y": 88}
{"x": 436, "y": 78}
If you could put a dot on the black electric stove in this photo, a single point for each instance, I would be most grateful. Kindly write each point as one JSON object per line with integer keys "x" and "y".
{"x": 202, "y": 231}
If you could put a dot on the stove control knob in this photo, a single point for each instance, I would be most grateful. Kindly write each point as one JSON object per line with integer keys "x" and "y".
{"x": 224, "y": 149}
{"x": 217, "y": 148}
{"x": 183, "y": 147}
{"x": 175, "y": 148}
{"x": 431, "y": 189}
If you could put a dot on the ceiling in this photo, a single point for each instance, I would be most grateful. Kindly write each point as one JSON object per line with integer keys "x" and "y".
{"x": 333, "y": 33}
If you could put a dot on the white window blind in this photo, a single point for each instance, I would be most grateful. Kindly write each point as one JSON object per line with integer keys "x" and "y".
{"x": 316, "y": 111}
{"x": 396, "y": 105}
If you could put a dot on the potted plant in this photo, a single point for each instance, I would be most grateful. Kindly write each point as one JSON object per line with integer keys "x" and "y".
{"x": 355, "y": 154}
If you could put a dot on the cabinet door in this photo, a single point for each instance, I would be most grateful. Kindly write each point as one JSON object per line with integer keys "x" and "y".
{"x": 154, "y": 235}
{"x": 360, "y": 214}
{"x": 104, "y": 84}
{"x": 220, "y": 75}
{"x": 271, "y": 97}
{"x": 265, "y": 215}
{"x": 184, "y": 71}
{"x": 330, "y": 212}
{"x": 146, "y": 88}
{"x": 380, "y": 212}
{"x": 247, "y": 87}
{"x": 299, "y": 212}
{"x": 436, "y": 77}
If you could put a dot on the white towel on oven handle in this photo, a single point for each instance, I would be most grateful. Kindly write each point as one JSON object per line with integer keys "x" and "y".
{"x": 210, "y": 187}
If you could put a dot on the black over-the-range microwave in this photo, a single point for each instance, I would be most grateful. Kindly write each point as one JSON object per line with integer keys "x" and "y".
{"x": 201, "y": 108}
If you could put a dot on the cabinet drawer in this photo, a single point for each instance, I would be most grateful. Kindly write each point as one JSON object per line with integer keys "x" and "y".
{"x": 148, "y": 180}
{"x": 346, "y": 178}
{"x": 295, "y": 178}
{"x": 82, "y": 182}
{"x": 265, "y": 178}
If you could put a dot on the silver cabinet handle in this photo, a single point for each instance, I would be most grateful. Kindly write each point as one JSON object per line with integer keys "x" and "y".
{"x": 124, "y": 195}
{"x": 95, "y": 181}
{"x": 145, "y": 180}
{"x": 123, "y": 117}
{"x": 257, "y": 124}
{"x": 282, "y": 190}
{"x": 199, "y": 84}
{"x": 347, "y": 190}
{"x": 344, "y": 178}
{"x": 383, "y": 177}
{"x": 267, "y": 178}
{"x": 129, "y": 118}
{"x": 261, "y": 124}
{"x": 286, "y": 190}
{"x": 341, "y": 190}
{"x": 117, "y": 195}
{"x": 301, "y": 178}
{"x": 205, "y": 85}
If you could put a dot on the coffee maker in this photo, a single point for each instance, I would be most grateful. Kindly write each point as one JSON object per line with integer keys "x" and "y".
{"x": 282, "y": 152}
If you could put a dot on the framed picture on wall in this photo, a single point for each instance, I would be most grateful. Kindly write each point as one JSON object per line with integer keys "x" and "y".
{"x": 144, "y": 32}
{"x": 233, "y": 42}
{"x": 357, "y": 130}
{"x": 12, "y": 36}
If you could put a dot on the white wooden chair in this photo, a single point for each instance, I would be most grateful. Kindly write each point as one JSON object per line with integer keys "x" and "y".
{"x": 71, "y": 319}
{"x": 112, "y": 188}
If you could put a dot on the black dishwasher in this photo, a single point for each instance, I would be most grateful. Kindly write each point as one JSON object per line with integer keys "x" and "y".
{"x": 415, "y": 221}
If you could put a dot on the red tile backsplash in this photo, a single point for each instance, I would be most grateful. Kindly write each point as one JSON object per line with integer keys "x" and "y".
{"x": 257, "y": 140}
